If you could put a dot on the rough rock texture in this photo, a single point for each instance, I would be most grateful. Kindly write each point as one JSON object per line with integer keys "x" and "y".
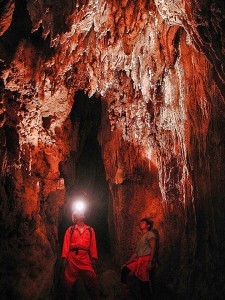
{"x": 158, "y": 68}
{"x": 7, "y": 9}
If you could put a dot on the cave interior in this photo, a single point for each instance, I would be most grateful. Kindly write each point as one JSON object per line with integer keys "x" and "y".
{"x": 120, "y": 103}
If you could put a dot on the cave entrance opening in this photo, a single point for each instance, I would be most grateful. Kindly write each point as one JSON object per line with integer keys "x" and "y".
{"x": 84, "y": 173}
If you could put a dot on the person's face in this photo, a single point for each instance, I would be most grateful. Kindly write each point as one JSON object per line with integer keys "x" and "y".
{"x": 79, "y": 218}
{"x": 143, "y": 225}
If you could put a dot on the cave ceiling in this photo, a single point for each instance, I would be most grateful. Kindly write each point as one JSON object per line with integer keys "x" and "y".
{"x": 158, "y": 68}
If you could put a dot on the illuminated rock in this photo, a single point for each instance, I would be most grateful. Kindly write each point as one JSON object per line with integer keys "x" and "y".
{"x": 158, "y": 68}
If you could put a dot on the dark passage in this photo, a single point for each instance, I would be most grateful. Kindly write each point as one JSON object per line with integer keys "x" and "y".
{"x": 84, "y": 172}
{"x": 90, "y": 182}
{"x": 84, "y": 177}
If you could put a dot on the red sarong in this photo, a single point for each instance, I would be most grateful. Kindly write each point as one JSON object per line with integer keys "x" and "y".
{"x": 139, "y": 267}
{"x": 79, "y": 261}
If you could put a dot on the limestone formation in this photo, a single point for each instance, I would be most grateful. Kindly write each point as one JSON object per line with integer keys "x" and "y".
{"x": 158, "y": 69}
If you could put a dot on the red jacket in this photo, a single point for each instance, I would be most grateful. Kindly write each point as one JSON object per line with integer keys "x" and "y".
{"x": 80, "y": 240}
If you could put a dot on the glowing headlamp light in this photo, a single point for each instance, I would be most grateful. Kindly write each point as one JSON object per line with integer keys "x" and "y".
{"x": 78, "y": 206}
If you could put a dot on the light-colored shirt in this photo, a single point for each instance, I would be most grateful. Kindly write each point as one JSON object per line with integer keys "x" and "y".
{"x": 143, "y": 245}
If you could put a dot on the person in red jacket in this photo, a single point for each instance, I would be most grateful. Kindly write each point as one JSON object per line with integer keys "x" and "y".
{"x": 79, "y": 254}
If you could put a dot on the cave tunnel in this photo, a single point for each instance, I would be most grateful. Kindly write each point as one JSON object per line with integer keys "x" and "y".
{"x": 85, "y": 179}
{"x": 121, "y": 103}
{"x": 85, "y": 176}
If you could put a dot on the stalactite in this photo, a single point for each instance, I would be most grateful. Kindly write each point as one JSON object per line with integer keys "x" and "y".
{"x": 157, "y": 67}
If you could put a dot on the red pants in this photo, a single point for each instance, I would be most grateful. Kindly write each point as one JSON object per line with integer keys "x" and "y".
{"x": 75, "y": 268}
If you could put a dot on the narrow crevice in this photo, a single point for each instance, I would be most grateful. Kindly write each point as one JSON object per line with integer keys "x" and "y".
{"x": 84, "y": 174}
{"x": 19, "y": 29}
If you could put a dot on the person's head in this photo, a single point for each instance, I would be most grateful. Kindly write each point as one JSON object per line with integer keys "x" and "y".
{"x": 146, "y": 224}
{"x": 78, "y": 217}
{"x": 78, "y": 207}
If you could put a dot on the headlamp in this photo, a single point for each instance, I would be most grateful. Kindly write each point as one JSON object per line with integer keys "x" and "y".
{"x": 78, "y": 206}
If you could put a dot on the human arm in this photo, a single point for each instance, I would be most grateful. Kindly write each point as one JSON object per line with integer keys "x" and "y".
{"x": 133, "y": 256}
{"x": 93, "y": 246}
{"x": 66, "y": 244}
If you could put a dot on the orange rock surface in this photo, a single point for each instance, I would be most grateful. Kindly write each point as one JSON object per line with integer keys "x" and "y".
{"x": 158, "y": 69}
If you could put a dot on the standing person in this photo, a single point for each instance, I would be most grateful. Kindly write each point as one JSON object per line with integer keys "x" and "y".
{"x": 142, "y": 261}
{"x": 79, "y": 254}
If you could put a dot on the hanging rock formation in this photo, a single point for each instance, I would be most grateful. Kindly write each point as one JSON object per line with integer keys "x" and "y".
{"x": 158, "y": 68}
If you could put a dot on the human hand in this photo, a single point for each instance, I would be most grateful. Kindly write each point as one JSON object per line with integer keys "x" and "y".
{"x": 94, "y": 262}
{"x": 128, "y": 262}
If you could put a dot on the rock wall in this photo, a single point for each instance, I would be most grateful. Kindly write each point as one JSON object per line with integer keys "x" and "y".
{"x": 158, "y": 67}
